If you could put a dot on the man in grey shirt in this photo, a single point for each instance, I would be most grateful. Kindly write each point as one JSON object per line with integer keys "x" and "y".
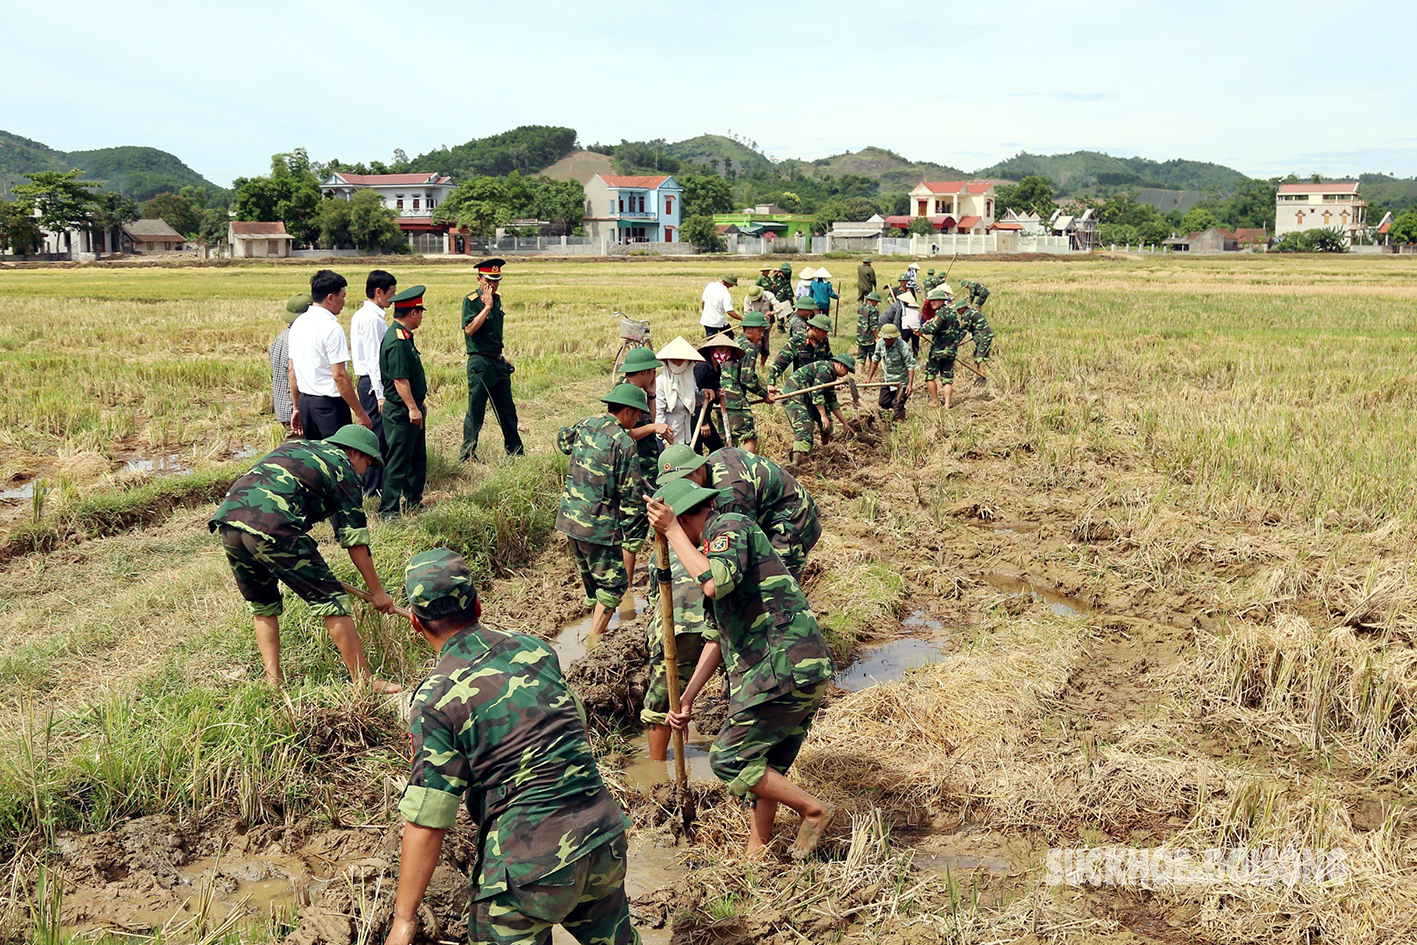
{"x": 280, "y": 361}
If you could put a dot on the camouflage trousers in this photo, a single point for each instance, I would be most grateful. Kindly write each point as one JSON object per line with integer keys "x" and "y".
{"x": 586, "y": 898}
{"x": 602, "y": 570}
{"x": 741, "y": 423}
{"x": 767, "y": 735}
{"x": 983, "y": 341}
{"x": 941, "y": 364}
{"x": 803, "y": 417}
{"x": 258, "y": 564}
{"x": 688, "y": 648}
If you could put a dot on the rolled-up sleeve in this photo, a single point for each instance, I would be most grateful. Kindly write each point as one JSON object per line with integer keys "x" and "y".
{"x": 439, "y": 775}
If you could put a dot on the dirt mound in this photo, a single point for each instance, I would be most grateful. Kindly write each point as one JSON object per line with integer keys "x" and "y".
{"x": 611, "y": 679}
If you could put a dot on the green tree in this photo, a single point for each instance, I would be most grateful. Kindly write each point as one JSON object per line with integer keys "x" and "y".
{"x": 372, "y": 226}
{"x": 213, "y": 227}
{"x": 705, "y": 194}
{"x": 19, "y": 231}
{"x": 561, "y": 202}
{"x": 921, "y": 226}
{"x": 64, "y": 202}
{"x": 479, "y": 204}
{"x": 1033, "y": 193}
{"x": 334, "y": 224}
{"x": 112, "y": 210}
{"x": 176, "y": 210}
{"x": 699, "y": 230}
{"x": 1198, "y": 220}
{"x": 291, "y": 194}
{"x": 1109, "y": 234}
{"x": 1404, "y": 227}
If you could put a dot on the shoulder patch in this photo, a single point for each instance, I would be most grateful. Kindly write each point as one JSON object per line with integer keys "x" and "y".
{"x": 719, "y": 544}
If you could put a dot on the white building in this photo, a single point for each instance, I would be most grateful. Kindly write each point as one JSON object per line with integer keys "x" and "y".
{"x": 258, "y": 240}
{"x": 413, "y": 197}
{"x": 1320, "y": 207}
{"x": 955, "y": 206}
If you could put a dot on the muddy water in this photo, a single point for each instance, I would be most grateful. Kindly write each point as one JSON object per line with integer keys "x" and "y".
{"x": 1059, "y": 603}
{"x": 20, "y": 493}
{"x": 888, "y": 663}
{"x": 575, "y": 639}
{"x": 161, "y": 465}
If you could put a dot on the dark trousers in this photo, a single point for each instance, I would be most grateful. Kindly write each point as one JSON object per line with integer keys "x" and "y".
{"x": 710, "y": 331}
{"x": 322, "y": 416}
{"x": 405, "y": 461}
{"x": 489, "y": 378}
{"x": 373, "y": 476}
{"x": 893, "y": 399}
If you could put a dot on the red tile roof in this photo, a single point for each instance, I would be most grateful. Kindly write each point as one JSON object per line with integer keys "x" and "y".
{"x": 1385, "y": 227}
{"x": 1006, "y": 225}
{"x": 1252, "y": 234}
{"x": 258, "y": 229}
{"x": 393, "y": 180}
{"x": 969, "y": 223}
{"x": 620, "y": 180}
{"x": 1343, "y": 187}
{"x": 957, "y": 186}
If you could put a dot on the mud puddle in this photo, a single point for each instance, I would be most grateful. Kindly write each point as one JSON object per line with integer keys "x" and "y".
{"x": 643, "y": 773}
{"x": 19, "y": 494}
{"x": 888, "y": 663}
{"x": 159, "y": 465}
{"x": 575, "y": 640}
{"x": 1059, "y": 603}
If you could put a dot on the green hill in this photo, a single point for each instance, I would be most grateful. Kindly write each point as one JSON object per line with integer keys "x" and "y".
{"x": 720, "y": 153}
{"x": 137, "y": 172}
{"x": 1084, "y": 172}
{"x": 893, "y": 171}
{"x": 19, "y": 156}
{"x": 528, "y": 149}
{"x": 1386, "y": 192}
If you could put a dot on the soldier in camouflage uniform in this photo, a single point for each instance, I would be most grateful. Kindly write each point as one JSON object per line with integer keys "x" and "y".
{"x": 972, "y": 320}
{"x": 638, "y": 369}
{"x": 977, "y": 293}
{"x": 807, "y": 411}
{"x": 765, "y": 277}
{"x": 496, "y": 726}
{"x": 777, "y": 659}
{"x": 265, "y": 524}
{"x": 782, "y": 287}
{"x": 945, "y": 334}
{"x": 758, "y": 488}
{"x": 868, "y": 316}
{"x": 689, "y": 624}
{"x": 602, "y": 508}
{"x": 802, "y": 309}
{"x": 931, "y": 280}
{"x": 801, "y": 349}
{"x": 738, "y": 377}
{"x": 898, "y": 364}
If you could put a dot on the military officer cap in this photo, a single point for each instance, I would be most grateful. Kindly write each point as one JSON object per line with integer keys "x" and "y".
{"x": 640, "y": 359}
{"x": 491, "y": 268}
{"x": 937, "y": 294}
{"x": 805, "y": 304}
{"x": 678, "y": 461}
{"x": 755, "y": 320}
{"x": 626, "y": 395}
{"x": 873, "y": 296}
{"x": 296, "y": 306}
{"x": 358, "y": 438}
{"x": 889, "y": 330}
{"x": 785, "y": 267}
{"x": 846, "y": 359}
{"x": 408, "y": 299}
{"x": 438, "y": 583}
{"x": 684, "y": 495}
{"x": 820, "y": 321}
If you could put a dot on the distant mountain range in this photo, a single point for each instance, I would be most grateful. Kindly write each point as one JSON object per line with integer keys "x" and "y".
{"x": 141, "y": 172}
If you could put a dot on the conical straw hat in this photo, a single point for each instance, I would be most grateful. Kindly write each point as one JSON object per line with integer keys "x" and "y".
{"x": 679, "y": 350}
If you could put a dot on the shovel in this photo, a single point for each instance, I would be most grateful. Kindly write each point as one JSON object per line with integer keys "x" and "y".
{"x": 369, "y": 599}
{"x": 671, "y": 675}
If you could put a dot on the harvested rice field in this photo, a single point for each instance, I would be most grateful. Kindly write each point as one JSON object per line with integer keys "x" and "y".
{"x": 1149, "y": 594}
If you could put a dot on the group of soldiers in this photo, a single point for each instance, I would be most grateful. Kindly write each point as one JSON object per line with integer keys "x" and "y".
{"x": 495, "y": 725}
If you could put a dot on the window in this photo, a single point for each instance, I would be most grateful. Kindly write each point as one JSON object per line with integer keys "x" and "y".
{"x": 921, "y": 208}
{"x": 669, "y": 210}
{"x": 415, "y": 204}
{"x": 398, "y": 201}
{"x": 622, "y": 204}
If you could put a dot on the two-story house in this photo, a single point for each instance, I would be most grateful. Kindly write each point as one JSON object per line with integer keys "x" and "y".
{"x": 629, "y": 209}
{"x": 413, "y": 197}
{"x": 954, "y": 206}
{"x": 1334, "y": 206}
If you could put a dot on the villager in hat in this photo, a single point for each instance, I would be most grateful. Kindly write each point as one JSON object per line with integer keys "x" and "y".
{"x": 762, "y": 625}
{"x": 265, "y": 521}
{"x": 405, "y": 410}
{"x": 865, "y": 280}
{"x": 718, "y": 306}
{"x": 910, "y": 320}
{"x": 740, "y": 378}
{"x": 822, "y": 291}
{"x": 805, "y": 412}
{"x": 676, "y": 401}
{"x": 801, "y": 349}
{"x": 945, "y": 334}
{"x": 781, "y": 287}
{"x": 280, "y": 361}
{"x": 804, "y": 283}
{"x": 489, "y": 373}
{"x": 897, "y": 361}
{"x": 718, "y": 351}
{"x": 868, "y": 317}
{"x": 495, "y": 727}
{"x": 366, "y": 333}
{"x": 758, "y": 488}
{"x": 911, "y": 277}
{"x": 602, "y": 506}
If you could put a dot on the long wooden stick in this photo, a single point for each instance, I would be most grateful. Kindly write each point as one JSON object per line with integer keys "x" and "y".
{"x": 698, "y": 426}
{"x": 369, "y": 599}
{"x": 671, "y": 652}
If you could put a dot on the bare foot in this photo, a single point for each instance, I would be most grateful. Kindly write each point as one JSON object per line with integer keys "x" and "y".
{"x": 810, "y": 833}
{"x": 384, "y": 686}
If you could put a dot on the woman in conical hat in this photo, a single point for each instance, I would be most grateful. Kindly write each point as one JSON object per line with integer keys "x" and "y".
{"x": 676, "y": 394}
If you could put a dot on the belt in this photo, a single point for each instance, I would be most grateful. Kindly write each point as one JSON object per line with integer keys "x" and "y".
{"x": 483, "y": 354}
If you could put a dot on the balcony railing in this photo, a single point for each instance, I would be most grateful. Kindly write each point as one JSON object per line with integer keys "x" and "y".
{"x": 634, "y": 214}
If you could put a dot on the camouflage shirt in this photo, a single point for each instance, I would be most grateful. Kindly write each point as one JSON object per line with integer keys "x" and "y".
{"x": 488, "y": 338}
{"x": 978, "y": 294}
{"x": 689, "y": 618}
{"x": 797, "y": 352}
{"x": 739, "y": 378}
{"x": 944, "y": 332}
{"x": 771, "y": 642}
{"x": 765, "y": 492}
{"x": 867, "y": 316}
{"x": 399, "y": 360}
{"x": 897, "y": 360}
{"x": 818, "y": 372}
{"x": 781, "y": 287}
{"x": 291, "y": 488}
{"x": 496, "y": 722}
{"x": 604, "y": 491}
{"x": 796, "y": 324}
{"x": 974, "y": 322}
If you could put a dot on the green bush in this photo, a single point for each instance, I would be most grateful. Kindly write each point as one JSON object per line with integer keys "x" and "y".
{"x": 1312, "y": 241}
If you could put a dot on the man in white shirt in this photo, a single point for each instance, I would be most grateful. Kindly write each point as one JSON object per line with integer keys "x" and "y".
{"x": 366, "y": 334}
{"x": 718, "y": 307}
{"x": 324, "y": 396}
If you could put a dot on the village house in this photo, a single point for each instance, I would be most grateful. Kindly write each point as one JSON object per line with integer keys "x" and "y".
{"x": 962, "y": 207}
{"x": 152, "y": 236}
{"x": 413, "y": 197}
{"x": 1334, "y": 206}
{"x": 258, "y": 240}
{"x": 766, "y": 221}
{"x": 1080, "y": 229}
{"x": 631, "y": 209}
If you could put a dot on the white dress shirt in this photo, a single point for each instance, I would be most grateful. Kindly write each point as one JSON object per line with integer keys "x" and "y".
{"x": 366, "y": 334}
{"x": 718, "y": 302}
{"x": 317, "y": 342}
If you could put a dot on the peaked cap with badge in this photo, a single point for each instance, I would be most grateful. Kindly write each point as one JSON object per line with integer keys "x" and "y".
{"x": 407, "y": 300}
{"x": 491, "y": 269}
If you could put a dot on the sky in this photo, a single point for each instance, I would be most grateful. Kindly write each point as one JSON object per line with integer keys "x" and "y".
{"x": 1268, "y": 88}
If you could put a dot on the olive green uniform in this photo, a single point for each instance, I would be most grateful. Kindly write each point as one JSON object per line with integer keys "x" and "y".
{"x": 489, "y": 377}
{"x": 406, "y": 458}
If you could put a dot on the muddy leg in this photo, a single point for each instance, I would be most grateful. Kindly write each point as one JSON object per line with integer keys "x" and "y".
{"x": 659, "y": 742}
{"x": 776, "y": 788}
{"x": 764, "y": 813}
{"x": 268, "y": 642}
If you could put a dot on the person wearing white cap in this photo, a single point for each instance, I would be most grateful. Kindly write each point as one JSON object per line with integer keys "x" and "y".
{"x": 676, "y": 395}
{"x": 822, "y": 291}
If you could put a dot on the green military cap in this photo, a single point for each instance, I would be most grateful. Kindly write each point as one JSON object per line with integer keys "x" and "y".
{"x": 755, "y": 292}
{"x": 640, "y": 359}
{"x": 929, "y": 272}
{"x": 679, "y": 460}
{"x": 359, "y": 438}
{"x": 873, "y": 296}
{"x": 296, "y": 306}
{"x": 890, "y": 330}
{"x": 409, "y": 298}
{"x": 820, "y": 321}
{"x": 805, "y": 304}
{"x": 682, "y": 495}
{"x": 785, "y": 267}
{"x": 731, "y": 280}
{"x": 626, "y": 395}
{"x": 435, "y": 577}
{"x": 866, "y": 260}
{"x": 937, "y": 294}
{"x": 846, "y": 359}
{"x": 961, "y": 304}
{"x": 755, "y": 320}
